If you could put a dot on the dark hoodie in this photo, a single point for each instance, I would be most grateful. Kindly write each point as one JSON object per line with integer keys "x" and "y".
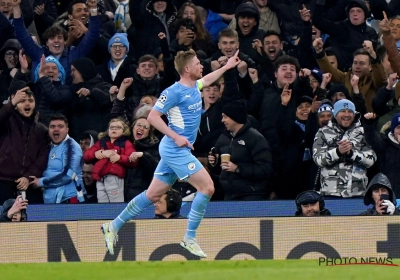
{"x": 6, "y": 207}
{"x": 146, "y": 25}
{"x": 344, "y": 36}
{"x": 5, "y": 78}
{"x": 246, "y": 41}
{"x": 379, "y": 180}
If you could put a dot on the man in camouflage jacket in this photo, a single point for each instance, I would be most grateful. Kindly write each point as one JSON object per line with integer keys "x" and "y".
{"x": 342, "y": 153}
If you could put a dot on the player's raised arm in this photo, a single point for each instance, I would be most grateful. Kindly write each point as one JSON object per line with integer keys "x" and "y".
{"x": 213, "y": 76}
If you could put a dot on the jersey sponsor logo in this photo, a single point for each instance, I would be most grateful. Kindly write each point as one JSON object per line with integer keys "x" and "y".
{"x": 191, "y": 166}
{"x": 195, "y": 107}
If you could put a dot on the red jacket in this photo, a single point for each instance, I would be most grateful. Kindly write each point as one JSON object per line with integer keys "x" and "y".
{"x": 104, "y": 167}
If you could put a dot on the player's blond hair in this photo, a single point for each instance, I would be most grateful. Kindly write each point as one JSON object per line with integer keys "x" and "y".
{"x": 182, "y": 59}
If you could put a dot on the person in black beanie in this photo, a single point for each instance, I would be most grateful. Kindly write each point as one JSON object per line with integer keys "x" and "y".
{"x": 86, "y": 69}
{"x": 92, "y": 100}
{"x": 311, "y": 204}
{"x": 339, "y": 91}
{"x": 246, "y": 174}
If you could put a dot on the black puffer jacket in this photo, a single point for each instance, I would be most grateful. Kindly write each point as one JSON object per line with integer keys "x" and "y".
{"x": 138, "y": 179}
{"x": 251, "y": 153}
{"x": 388, "y": 152}
{"x": 344, "y": 36}
{"x": 91, "y": 112}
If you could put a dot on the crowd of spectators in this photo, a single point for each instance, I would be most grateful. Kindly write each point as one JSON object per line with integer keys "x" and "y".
{"x": 311, "y": 112}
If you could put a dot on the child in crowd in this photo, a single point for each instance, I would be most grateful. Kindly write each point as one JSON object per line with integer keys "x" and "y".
{"x": 112, "y": 153}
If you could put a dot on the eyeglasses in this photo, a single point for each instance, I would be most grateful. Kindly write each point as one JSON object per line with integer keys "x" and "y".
{"x": 314, "y": 81}
{"x": 118, "y": 47}
{"x": 115, "y": 127}
{"x": 142, "y": 126}
{"x": 10, "y": 54}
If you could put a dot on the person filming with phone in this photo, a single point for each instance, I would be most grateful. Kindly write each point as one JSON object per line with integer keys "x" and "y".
{"x": 380, "y": 194}
{"x": 14, "y": 210}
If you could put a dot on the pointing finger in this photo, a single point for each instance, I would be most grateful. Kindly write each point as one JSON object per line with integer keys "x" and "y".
{"x": 384, "y": 15}
{"x": 286, "y": 87}
{"x": 24, "y": 89}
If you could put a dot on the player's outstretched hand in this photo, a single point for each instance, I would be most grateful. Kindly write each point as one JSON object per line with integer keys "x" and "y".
{"x": 233, "y": 61}
{"x": 183, "y": 142}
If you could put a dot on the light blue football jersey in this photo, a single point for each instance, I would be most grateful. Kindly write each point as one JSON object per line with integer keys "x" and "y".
{"x": 183, "y": 107}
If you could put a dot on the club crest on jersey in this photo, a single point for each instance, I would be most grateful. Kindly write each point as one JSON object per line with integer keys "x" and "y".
{"x": 191, "y": 166}
{"x": 53, "y": 155}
